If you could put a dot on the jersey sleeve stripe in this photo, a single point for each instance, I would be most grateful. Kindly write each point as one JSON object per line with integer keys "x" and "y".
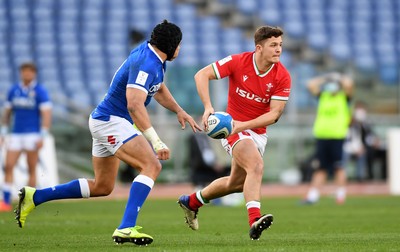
{"x": 215, "y": 68}
{"x": 137, "y": 87}
{"x": 281, "y": 98}
{"x": 45, "y": 105}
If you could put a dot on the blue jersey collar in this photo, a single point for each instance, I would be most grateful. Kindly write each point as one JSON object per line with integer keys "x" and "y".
{"x": 152, "y": 49}
{"x": 32, "y": 84}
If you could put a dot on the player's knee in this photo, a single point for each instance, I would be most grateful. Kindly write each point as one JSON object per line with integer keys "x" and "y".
{"x": 103, "y": 190}
{"x": 153, "y": 169}
{"x": 256, "y": 169}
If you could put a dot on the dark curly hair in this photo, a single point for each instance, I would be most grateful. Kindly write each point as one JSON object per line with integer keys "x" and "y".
{"x": 166, "y": 36}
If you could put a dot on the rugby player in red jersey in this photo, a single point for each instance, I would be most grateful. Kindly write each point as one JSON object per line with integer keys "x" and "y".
{"x": 259, "y": 87}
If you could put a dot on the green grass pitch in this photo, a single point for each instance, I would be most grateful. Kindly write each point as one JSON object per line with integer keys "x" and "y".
{"x": 362, "y": 224}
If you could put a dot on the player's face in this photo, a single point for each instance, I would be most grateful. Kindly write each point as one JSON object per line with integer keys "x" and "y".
{"x": 178, "y": 48}
{"x": 27, "y": 75}
{"x": 271, "y": 49}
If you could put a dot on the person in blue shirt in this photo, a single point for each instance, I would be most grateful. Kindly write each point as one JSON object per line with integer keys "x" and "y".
{"x": 137, "y": 81}
{"x": 28, "y": 110}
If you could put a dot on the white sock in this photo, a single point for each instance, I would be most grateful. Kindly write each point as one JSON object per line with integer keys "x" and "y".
{"x": 253, "y": 204}
{"x": 341, "y": 193}
{"x": 313, "y": 195}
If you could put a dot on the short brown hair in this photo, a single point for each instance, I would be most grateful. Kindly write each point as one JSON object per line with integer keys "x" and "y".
{"x": 28, "y": 65}
{"x": 266, "y": 32}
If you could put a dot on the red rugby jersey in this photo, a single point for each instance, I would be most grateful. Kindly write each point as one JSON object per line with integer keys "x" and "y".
{"x": 250, "y": 92}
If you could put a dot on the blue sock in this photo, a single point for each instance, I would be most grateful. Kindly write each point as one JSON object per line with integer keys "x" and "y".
{"x": 75, "y": 189}
{"x": 140, "y": 189}
{"x": 7, "y": 193}
{"x": 7, "y": 197}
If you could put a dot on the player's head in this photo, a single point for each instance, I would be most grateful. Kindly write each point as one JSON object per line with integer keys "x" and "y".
{"x": 166, "y": 37}
{"x": 268, "y": 42}
{"x": 28, "y": 72}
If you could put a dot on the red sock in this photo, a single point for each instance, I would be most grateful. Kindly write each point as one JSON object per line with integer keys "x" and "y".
{"x": 254, "y": 214}
{"x": 194, "y": 203}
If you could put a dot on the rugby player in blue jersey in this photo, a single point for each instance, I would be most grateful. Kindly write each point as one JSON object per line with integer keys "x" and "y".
{"x": 135, "y": 83}
{"x": 28, "y": 110}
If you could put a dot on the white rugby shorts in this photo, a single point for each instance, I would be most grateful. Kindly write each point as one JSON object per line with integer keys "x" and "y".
{"x": 259, "y": 139}
{"x": 23, "y": 141}
{"x": 108, "y": 136}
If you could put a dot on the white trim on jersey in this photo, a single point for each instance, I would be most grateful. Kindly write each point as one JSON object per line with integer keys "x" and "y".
{"x": 215, "y": 68}
{"x": 45, "y": 105}
{"x": 281, "y": 98}
{"x": 137, "y": 87}
{"x": 154, "y": 51}
{"x": 256, "y": 69}
{"x": 31, "y": 84}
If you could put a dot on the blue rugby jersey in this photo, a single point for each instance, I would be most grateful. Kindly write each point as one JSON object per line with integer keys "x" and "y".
{"x": 144, "y": 70}
{"x": 25, "y": 102}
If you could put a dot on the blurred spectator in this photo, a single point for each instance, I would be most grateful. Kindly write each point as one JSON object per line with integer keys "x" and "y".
{"x": 30, "y": 105}
{"x": 332, "y": 121}
{"x": 203, "y": 162}
{"x": 362, "y": 145}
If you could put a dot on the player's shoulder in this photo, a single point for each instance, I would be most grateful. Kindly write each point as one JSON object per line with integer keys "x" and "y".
{"x": 244, "y": 56}
{"x": 280, "y": 66}
{"x": 13, "y": 87}
{"x": 144, "y": 58}
{"x": 40, "y": 87}
{"x": 238, "y": 58}
{"x": 281, "y": 70}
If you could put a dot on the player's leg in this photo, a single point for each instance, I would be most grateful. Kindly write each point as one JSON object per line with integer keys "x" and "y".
{"x": 323, "y": 153}
{"x": 341, "y": 180}
{"x": 32, "y": 158}
{"x": 340, "y": 172}
{"x": 14, "y": 149}
{"x": 31, "y": 148}
{"x": 12, "y": 156}
{"x": 318, "y": 179}
{"x": 216, "y": 189}
{"x": 247, "y": 157}
{"x": 137, "y": 153}
{"x": 106, "y": 169}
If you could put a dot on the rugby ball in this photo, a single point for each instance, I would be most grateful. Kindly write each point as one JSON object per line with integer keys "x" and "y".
{"x": 220, "y": 125}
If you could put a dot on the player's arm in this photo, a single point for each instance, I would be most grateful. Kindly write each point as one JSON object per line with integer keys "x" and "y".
{"x": 165, "y": 98}
{"x": 5, "y": 121}
{"x": 138, "y": 112}
{"x": 271, "y": 117}
{"x": 46, "y": 115}
{"x": 347, "y": 85}
{"x": 314, "y": 85}
{"x": 202, "y": 79}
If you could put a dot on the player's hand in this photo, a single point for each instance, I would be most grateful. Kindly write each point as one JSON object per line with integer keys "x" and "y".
{"x": 238, "y": 126}
{"x": 161, "y": 150}
{"x": 184, "y": 117}
{"x": 206, "y": 114}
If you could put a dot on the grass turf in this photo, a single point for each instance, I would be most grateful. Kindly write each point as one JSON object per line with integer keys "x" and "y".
{"x": 362, "y": 224}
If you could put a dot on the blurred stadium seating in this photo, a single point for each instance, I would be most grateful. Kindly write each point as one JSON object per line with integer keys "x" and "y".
{"x": 79, "y": 44}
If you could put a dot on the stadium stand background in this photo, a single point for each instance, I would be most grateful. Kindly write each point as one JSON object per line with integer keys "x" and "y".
{"x": 78, "y": 45}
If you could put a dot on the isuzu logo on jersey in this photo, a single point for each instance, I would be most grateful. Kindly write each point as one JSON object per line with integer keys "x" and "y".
{"x": 250, "y": 96}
